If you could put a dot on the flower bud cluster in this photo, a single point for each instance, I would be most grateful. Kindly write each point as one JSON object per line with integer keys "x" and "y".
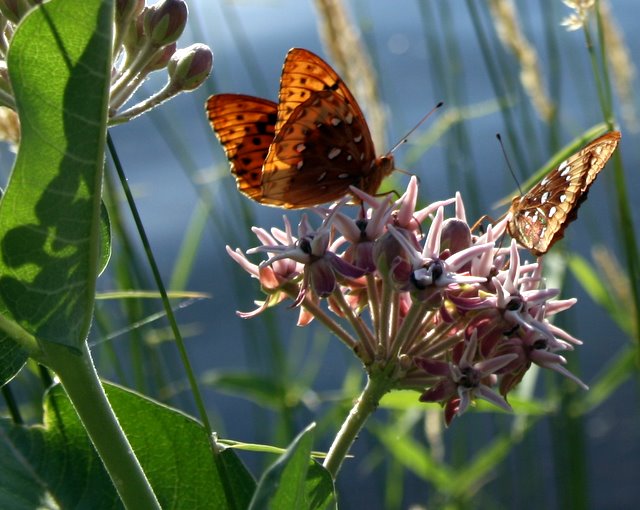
{"x": 439, "y": 310}
{"x": 145, "y": 41}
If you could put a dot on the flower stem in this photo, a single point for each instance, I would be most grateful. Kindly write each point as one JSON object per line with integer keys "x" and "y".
{"x": 413, "y": 318}
{"x": 323, "y": 317}
{"x": 377, "y": 385}
{"x": 386, "y": 315}
{"x": 365, "y": 336}
{"x": 82, "y": 384}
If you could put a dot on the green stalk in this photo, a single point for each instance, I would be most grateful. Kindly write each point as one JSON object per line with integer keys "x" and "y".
{"x": 629, "y": 240}
{"x": 82, "y": 384}
{"x": 377, "y": 385}
{"x": 193, "y": 383}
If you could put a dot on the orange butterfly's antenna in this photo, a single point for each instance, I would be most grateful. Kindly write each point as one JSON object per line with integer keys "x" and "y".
{"x": 405, "y": 138}
{"x": 506, "y": 158}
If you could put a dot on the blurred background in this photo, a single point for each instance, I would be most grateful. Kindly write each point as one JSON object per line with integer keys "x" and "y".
{"x": 506, "y": 67}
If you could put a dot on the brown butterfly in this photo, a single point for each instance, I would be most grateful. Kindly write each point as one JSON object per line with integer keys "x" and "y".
{"x": 307, "y": 149}
{"x": 539, "y": 217}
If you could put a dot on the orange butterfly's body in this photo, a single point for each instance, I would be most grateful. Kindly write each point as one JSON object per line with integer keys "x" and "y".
{"x": 305, "y": 150}
{"x": 538, "y": 218}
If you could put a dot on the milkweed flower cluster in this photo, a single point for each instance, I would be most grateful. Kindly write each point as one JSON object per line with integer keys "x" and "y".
{"x": 439, "y": 310}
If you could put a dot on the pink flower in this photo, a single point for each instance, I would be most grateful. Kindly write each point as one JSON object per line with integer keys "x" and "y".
{"x": 462, "y": 382}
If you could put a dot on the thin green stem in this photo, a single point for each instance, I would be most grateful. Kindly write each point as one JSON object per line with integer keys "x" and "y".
{"x": 385, "y": 315}
{"x": 394, "y": 314}
{"x": 12, "y": 404}
{"x": 607, "y": 106}
{"x": 413, "y": 318}
{"x": 596, "y": 70}
{"x": 622, "y": 198}
{"x": 377, "y": 385}
{"x": 82, "y": 384}
{"x": 435, "y": 348}
{"x": 122, "y": 87}
{"x": 319, "y": 314}
{"x": 374, "y": 304}
{"x": 365, "y": 336}
{"x": 497, "y": 80}
{"x": 417, "y": 335}
{"x": 193, "y": 383}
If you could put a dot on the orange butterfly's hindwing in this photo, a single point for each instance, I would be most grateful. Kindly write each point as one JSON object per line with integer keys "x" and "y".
{"x": 539, "y": 218}
{"x": 307, "y": 149}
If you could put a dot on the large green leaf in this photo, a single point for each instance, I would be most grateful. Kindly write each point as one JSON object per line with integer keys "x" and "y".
{"x": 12, "y": 359}
{"x": 59, "y": 63}
{"x": 56, "y": 462}
{"x": 295, "y": 480}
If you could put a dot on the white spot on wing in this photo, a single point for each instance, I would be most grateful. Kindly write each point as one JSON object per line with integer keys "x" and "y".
{"x": 563, "y": 197}
{"x": 343, "y": 176}
{"x": 349, "y": 118}
{"x": 300, "y": 147}
{"x": 357, "y": 139}
{"x": 552, "y": 211}
{"x": 334, "y": 153}
{"x": 321, "y": 177}
{"x": 300, "y": 163}
{"x": 335, "y": 121}
{"x": 544, "y": 197}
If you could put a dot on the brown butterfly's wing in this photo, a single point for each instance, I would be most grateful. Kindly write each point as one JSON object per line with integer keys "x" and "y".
{"x": 539, "y": 217}
{"x": 323, "y": 144}
{"x": 304, "y": 73}
{"x": 245, "y": 126}
{"x": 322, "y": 149}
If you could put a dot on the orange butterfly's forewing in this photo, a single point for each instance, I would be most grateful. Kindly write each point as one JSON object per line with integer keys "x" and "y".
{"x": 306, "y": 150}
{"x": 539, "y": 217}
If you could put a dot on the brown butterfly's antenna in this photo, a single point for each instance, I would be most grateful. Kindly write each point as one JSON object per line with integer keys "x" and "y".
{"x": 506, "y": 158}
{"x": 405, "y": 138}
{"x": 478, "y": 223}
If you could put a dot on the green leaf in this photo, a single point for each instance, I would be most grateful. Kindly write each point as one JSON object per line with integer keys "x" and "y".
{"x": 57, "y": 463}
{"x": 319, "y": 488}
{"x": 295, "y": 480}
{"x": 105, "y": 238}
{"x": 596, "y": 286}
{"x": 12, "y": 359}
{"x": 414, "y": 456}
{"x": 615, "y": 372}
{"x": 262, "y": 390}
{"x": 59, "y": 63}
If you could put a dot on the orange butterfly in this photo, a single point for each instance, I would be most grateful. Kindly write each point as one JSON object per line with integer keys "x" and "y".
{"x": 539, "y": 217}
{"x": 307, "y": 149}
